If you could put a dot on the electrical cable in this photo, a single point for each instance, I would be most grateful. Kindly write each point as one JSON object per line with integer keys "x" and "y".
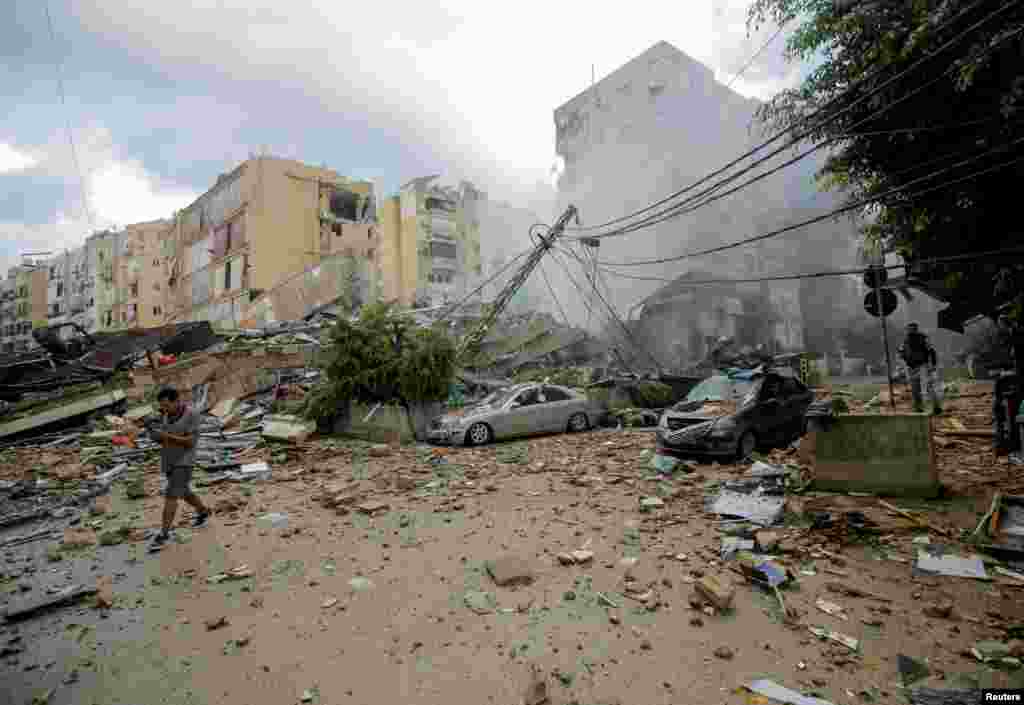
{"x": 843, "y": 209}
{"x": 808, "y": 118}
{"x": 752, "y": 59}
{"x": 551, "y": 290}
{"x": 684, "y": 206}
{"x": 457, "y": 305}
{"x": 67, "y": 119}
{"x": 815, "y": 275}
{"x": 611, "y": 310}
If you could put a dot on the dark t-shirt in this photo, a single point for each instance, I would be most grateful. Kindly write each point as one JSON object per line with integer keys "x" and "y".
{"x": 187, "y": 424}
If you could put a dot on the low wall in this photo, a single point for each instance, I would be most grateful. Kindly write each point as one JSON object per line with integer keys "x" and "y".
{"x": 890, "y": 454}
{"x": 389, "y": 424}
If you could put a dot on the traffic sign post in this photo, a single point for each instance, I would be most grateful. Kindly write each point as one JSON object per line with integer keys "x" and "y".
{"x": 881, "y": 303}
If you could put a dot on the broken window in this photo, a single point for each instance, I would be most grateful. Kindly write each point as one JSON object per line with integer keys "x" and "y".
{"x": 440, "y": 204}
{"x": 446, "y": 250}
{"x": 227, "y": 238}
{"x": 60, "y": 289}
{"x": 344, "y": 204}
{"x": 227, "y": 275}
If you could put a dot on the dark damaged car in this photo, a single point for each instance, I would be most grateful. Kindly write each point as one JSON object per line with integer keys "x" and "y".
{"x": 732, "y": 415}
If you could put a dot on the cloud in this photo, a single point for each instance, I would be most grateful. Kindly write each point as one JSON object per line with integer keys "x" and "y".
{"x": 120, "y": 191}
{"x": 13, "y": 160}
{"x": 475, "y": 83}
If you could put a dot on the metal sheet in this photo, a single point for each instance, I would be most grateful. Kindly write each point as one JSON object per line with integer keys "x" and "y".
{"x": 951, "y": 565}
{"x": 774, "y": 691}
{"x": 761, "y": 510}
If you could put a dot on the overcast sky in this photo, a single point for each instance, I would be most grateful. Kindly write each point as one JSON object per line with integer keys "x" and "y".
{"x": 162, "y": 97}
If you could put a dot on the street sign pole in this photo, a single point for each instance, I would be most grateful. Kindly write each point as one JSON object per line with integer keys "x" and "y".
{"x": 885, "y": 339}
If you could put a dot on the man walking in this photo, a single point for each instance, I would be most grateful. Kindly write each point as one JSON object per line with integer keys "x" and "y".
{"x": 179, "y": 435}
{"x": 920, "y": 357}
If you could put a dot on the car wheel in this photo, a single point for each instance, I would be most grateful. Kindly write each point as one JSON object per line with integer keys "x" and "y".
{"x": 578, "y": 422}
{"x": 478, "y": 434}
{"x": 746, "y": 445}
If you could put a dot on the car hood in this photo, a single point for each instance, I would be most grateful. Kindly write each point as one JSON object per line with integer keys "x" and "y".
{"x": 703, "y": 410}
{"x": 460, "y": 415}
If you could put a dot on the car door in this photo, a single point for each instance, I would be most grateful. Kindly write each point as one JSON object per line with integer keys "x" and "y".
{"x": 559, "y": 406}
{"x": 770, "y": 415}
{"x": 520, "y": 417}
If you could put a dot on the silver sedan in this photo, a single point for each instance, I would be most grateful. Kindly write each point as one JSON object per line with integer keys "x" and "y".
{"x": 521, "y": 410}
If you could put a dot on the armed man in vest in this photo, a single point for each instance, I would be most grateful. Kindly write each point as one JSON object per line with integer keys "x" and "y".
{"x": 920, "y": 357}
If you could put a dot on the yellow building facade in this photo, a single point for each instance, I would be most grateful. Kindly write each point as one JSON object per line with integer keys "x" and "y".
{"x": 261, "y": 227}
{"x": 430, "y": 249}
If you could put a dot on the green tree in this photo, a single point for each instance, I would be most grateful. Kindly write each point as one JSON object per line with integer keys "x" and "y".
{"x": 963, "y": 103}
{"x": 382, "y": 358}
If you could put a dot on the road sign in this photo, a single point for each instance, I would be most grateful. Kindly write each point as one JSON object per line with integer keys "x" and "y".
{"x": 889, "y": 302}
{"x": 875, "y": 277}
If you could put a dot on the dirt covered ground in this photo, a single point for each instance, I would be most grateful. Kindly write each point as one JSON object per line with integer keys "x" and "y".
{"x": 372, "y": 585}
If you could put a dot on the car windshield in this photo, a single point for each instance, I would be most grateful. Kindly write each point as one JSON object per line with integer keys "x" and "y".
{"x": 722, "y": 389}
{"x": 496, "y": 399}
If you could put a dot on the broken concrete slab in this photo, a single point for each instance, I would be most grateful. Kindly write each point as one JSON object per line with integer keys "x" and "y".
{"x": 285, "y": 427}
{"x": 716, "y": 591}
{"x": 64, "y": 597}
{"x": 510, "y": 571}
{"x": 763, "y": 510}
{"x": 64, "y": 412}
{"x": 935, "y": 561}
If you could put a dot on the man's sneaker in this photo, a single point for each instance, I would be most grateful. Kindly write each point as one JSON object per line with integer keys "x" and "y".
{"x": 159, "y": 541}
{"x": 200, "y": 520}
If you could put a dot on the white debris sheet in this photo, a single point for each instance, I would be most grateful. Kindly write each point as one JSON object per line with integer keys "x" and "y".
{"x": 764, "y": 510}
{"x": 781, "y": 694}
{"x": 950, "y": 565}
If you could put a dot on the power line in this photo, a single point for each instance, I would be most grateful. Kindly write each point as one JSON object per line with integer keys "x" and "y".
{"x": 552, "y": 292}
{"x": 752, "y": 59}
{"x": 815, "y": 275}
{"x": 457, "y": 305}
{"x": 838, "y": 211}
{"x": 681, "y": 207}
{"x": 67, "y": 119}
{"x": 611, "y": 310}
{"x": 816, "y": 113}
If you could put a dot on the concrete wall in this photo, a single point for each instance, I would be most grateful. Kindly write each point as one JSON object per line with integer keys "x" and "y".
{"x": 884, "y": 454}
{"x": 389, "y": 424}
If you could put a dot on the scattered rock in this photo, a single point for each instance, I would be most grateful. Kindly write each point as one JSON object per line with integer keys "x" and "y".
{"x": 380, "y": 450}
{"x": 939, "y": 610}
{"x": 373, "y": 507}
{"x": 646, "y": 645}
{"x": 565, "y": 559}
{"x": 537, "y": 691}
{"x": 100, "y": 506}
{"x": 724, "y": 652}
{"x": 405, "y": 483}
{"x": 767, "y": 541}
{"x": 104, "y": 599}
{"x": 215, "y": 623}
{"x": 78, "y": 538}
{"x": 510, "y": 571}
{"x": 715, "y": 591}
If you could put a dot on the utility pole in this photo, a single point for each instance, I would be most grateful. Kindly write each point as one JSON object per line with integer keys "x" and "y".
{"x": 877, "y": 281}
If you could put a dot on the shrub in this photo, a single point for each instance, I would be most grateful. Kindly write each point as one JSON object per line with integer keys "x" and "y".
{"x": 382, "y": 358}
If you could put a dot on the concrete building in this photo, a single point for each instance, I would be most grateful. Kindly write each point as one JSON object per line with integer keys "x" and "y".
{"x": 57, "y": 290}
{"x": 101, "y": 255}
{"x": 8, "y": 316}
{"x": 80, "y": 289}
{"x": 264, "y": 223}
{"x": 140, "y": 275}
{"x": 431, "y": 242}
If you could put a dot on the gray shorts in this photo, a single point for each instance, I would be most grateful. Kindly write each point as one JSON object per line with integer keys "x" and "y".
{"x": 179, "y": 481}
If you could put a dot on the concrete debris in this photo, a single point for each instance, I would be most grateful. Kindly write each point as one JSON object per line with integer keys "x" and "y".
{"x": 291, "y": 429}
{"x": 66, "y": 596}
{"x": 911, "y": 670}
{"x": 510, "y": 571}
{"x": 935, "y": 561}
{"x": 714, "y": 590}
{"x": 839, "y": 638}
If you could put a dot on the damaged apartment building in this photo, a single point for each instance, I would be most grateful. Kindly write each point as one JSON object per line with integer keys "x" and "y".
{"x": 432, "y": 242}
{"x": 267, "y": 239}
{"x": 656, "y": 125}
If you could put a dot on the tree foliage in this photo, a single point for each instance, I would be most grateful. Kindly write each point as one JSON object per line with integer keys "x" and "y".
{"x": 384, "y": 358}
{"x": 962, "y": 103}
